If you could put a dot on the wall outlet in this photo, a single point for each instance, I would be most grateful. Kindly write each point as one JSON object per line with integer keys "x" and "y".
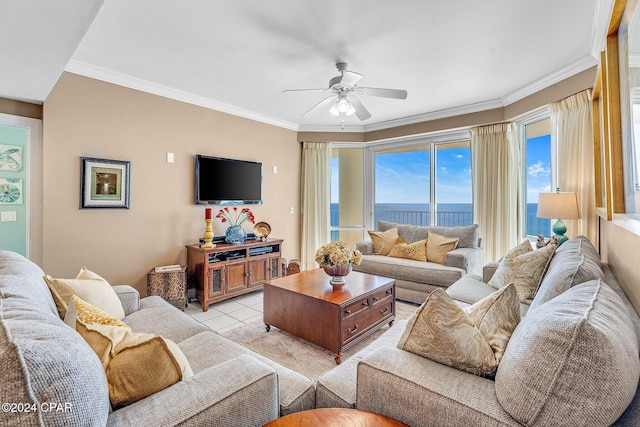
{"x": 8, "y": 215}
{"x": 169, "y": 157}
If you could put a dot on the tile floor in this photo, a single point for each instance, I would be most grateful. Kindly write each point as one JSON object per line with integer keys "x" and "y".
{"x": 229, "y": 314}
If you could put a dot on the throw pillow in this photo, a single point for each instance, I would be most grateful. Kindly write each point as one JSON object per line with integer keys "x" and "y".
{"x": 383, "y": 241}
{"x": 525, "y": 271}
{"x": 416, "y": 251}
{"x": 137, "y": 365}
{"x": 438, "y": 246}
{"x": 88, "y": 286}
{"x": 441, "y": 331}
{"x": 496, "y": 317}
{"x": 522, "y": 248}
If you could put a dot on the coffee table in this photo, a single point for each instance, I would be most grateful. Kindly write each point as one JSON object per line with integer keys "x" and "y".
{"x": 334, "y": 417}
{"x": 308, "y": 306}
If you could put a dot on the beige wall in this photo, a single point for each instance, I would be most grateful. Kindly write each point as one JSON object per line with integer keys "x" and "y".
{"x": 619, "y": 246}
{"x": 86, "y": 117}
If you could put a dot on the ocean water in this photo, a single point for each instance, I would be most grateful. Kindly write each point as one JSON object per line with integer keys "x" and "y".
{"x": 448, "y": 214}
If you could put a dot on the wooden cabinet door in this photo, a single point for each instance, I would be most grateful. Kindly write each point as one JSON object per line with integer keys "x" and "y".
{"x": 258, "y": 271}
{"x": 236, "y": 276}
{"x": 215, "y": 284}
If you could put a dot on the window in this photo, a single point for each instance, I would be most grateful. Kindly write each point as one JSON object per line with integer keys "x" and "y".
{"x": 424, "y": 182}
{"x": 537, "y": 178}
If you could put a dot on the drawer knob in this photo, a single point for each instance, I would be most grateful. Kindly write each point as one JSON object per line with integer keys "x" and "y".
{"x": 389, "y": 291}
{"x": 384, "y": 310}
{"x": 375, "y": 298}
{"x": 347, "y": 312}
{"x": 365, "y": 304}
{"x": 354, "y": 329}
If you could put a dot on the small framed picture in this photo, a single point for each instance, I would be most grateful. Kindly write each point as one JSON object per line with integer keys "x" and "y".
{"x": 104, "y": 183}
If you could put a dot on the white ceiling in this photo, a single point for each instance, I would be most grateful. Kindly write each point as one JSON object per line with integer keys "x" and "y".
{"x": 237, "y": 56}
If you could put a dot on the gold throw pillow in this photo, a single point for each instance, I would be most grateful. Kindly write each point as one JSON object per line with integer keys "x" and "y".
{"x": 416, "y": 251}
{"x": 90, "y": 287}
{"x": 137, "y": 365}
{"x": 438, "y": 246}
{"x": 383, "y": 241}
{"x": 524, "y": 271}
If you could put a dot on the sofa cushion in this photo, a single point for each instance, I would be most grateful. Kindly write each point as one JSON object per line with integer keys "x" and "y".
{"x": 525, "y": 271}
{"x": 409, "y": 270}
{"x": 137, "y": 365}
{"x": 88, "y": 286}
{"x": 565, "y": 271}
{"x": 571, "y": 361}
{"x": 383, "y": 241}
{"x": 467, "y": 235}
{"x": 580, "y": 245}
{"x": 438, "y": 246}
{"x": 416, "y": 251}
{"x": 409, "y": 233}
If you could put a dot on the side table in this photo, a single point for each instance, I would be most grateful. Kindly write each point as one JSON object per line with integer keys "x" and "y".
{"x": 170, "y": 285}
{"x": 334, "y": 417}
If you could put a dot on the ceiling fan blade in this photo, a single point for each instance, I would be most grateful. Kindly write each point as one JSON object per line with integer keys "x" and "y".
{"x": 385, "y": 93}
{"x": 349, "y": 78}
{"x": 303, "y": 90}
{"x": 361, "y": 111}
{"x": 320, "y": 105}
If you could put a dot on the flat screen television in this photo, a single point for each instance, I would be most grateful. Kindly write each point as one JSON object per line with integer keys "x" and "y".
{"x": 221, "y": 181}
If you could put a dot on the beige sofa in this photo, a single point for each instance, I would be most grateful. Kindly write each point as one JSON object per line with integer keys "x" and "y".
{"x": 416, "y": 279}
{"x": 45, "y": 363}
{"x": 572, "y": 360}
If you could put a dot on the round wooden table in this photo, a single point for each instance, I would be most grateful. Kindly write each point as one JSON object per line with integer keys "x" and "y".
{"x": 334, "y": 417}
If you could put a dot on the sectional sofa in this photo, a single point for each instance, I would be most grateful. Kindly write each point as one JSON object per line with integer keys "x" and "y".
{"x": 52, "y": 377}
{"x": 572, "y": 360}
{"x": 415, "y": 280}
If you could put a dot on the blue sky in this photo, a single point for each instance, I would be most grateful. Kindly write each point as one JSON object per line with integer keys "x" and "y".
{"x": 404, "y": 177}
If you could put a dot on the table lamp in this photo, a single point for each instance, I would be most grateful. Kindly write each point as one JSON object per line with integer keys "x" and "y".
{"x": 559, "y": 206}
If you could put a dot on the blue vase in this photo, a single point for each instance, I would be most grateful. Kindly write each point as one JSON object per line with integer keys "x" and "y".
{"x": 235, "y": 234}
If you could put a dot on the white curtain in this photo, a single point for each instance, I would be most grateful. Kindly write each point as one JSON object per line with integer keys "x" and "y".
{"x": 494, "y": 155}
{"x": 316, "y": 199}
{"x": 572, "y": 122}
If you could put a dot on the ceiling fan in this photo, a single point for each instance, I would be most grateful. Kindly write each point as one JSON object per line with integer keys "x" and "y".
{"x": 343, "y": 99}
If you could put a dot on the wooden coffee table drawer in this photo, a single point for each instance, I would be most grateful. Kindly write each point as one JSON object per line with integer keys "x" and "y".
{"x": 359, "y": 323}
{"x": 381, "y": 295}
{"x": 355, "y": 308}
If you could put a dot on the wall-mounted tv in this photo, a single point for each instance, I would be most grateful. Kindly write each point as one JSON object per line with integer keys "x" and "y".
{"x": 222, "y": 181}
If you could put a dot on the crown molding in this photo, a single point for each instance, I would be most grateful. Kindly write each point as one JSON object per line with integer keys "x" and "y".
{"x": 572, "y": 69}
{"x": 120, "y": 79}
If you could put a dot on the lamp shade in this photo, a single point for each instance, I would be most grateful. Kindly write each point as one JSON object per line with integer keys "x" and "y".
{"x": 558, "y": 206}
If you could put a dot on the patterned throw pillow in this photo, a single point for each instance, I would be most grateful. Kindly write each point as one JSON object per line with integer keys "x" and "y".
{"x": 90, "y": 287}
{"x": 416, "y": 250}
{"x": 438, "y": 246}
{"x": 522, "y": 248}
{"x": 472, "y": 339}
{"x": 137, "y": 365}
{"x": 525, "y": 271}
{"x": 383, "y": 241}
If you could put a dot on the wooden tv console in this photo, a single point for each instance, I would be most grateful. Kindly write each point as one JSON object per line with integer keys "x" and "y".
{"x": 230, "y": 270}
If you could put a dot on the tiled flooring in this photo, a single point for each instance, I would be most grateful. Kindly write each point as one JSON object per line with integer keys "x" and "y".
{"x": 229, "y": 314}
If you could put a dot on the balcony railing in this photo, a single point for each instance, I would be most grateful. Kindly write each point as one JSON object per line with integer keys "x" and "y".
{"x": 447, "y": 219}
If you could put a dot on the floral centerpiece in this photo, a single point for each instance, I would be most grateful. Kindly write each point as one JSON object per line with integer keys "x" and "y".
{"x": 338, "y": 260}
{"x": 235, "y": 217}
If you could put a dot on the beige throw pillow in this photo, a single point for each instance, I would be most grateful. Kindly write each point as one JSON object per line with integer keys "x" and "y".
{"x": 525, "y": 271}
{"x": 471, "y": 339}
{"x": 137, "y": 365}
{"x": 416, "y": 251}
{"x": 438, "y": 246}
{"x": 90, "y": 287}
{"x": 383, "y": 241}
{"x": 522, "y": 248}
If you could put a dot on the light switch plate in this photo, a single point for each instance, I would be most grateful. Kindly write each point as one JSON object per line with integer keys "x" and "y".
{"x": 8, "y": 215}
{"x": 169, "y": 157}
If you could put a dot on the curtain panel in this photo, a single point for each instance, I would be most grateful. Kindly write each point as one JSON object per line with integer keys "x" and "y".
{"x": 494, "y": 156}
{"x": 316, "y": 199}
{"x": 572, "y": 122}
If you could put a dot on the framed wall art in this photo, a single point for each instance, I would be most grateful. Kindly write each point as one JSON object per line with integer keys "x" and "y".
{"x": 10, "y": 158}
{"x": 104, "y": 183}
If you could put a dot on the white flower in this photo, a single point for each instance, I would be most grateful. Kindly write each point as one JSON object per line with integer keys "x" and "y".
{"x": 337, "y": 253}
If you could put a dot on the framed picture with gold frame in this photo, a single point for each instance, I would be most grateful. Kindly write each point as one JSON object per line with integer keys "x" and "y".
{"x": 104, "y": 183}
